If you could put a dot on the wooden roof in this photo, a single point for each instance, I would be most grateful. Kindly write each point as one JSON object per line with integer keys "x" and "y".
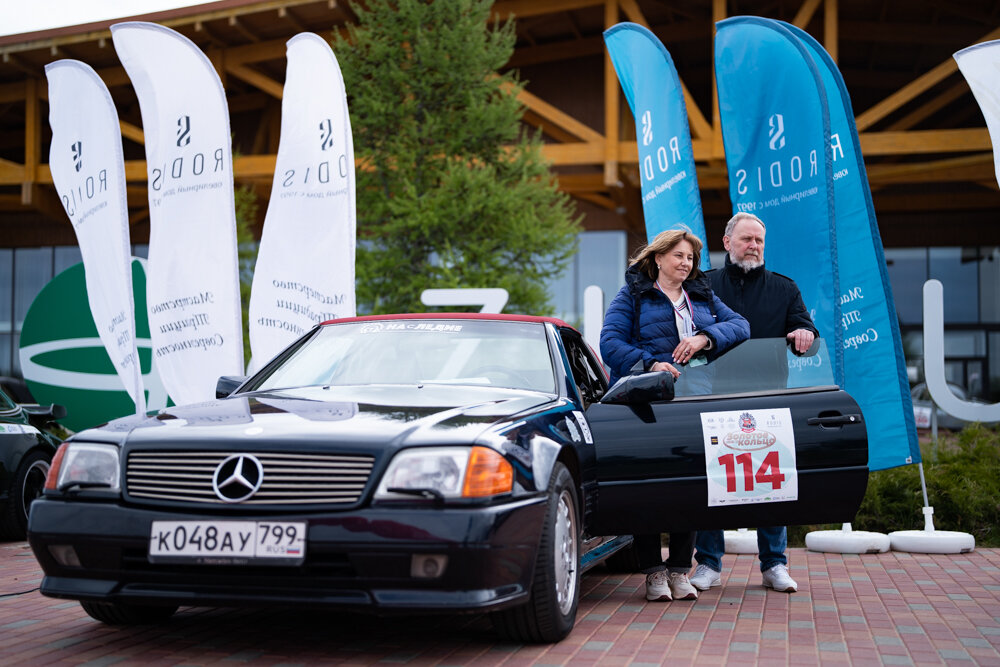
{"x": 926, "y": 148}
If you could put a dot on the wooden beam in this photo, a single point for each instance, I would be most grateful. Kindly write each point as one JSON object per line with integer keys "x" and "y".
{"x": 612, "y": 103}
{"x": 718, "y": 153}
{"x": 930, "y": 108}
{"x": 130, "y": 131}
{"x": 32, "y": 138}
{"x": 913, "y": 89}
{"x": 11, "y": 173}
{"x": 256, "y": 79}
{"x": 830, "y": 27}
{"x": 525, "y": 8}
{"x": 924, "y": 141}
{"x": 289, "y": 18}
{"x": 559, "y": 118}
{"x": 805, "y": 14}
{"x": 237, "y": 25}
{"x": 632, "y": 12}
{"x": 972, "y": 168}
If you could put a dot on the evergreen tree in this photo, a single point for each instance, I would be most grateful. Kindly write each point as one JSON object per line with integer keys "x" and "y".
{"x": 246, "y": 253}
{"x": 451, "y": 190}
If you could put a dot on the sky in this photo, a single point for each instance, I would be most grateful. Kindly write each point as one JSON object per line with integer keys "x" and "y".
{"x": 17, "y": 16}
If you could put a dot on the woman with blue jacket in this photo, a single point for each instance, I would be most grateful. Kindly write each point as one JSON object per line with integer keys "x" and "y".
{"x": 665, "y": 317}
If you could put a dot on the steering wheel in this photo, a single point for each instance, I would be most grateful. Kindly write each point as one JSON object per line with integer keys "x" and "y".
{"x": 519, "y": 381}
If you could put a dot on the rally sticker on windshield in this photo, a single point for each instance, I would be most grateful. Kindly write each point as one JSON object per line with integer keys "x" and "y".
{"x": 750, "y": 456}
{"x": 19, "y": 428}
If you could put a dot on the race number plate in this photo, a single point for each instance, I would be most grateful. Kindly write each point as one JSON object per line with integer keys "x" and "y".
{"x": 228, "y": 542}
{"x": 750, "y": 456}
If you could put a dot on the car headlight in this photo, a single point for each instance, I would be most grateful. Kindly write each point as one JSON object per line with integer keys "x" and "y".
{"x": 84, "y": 465}
{"x": 446, "y": 472}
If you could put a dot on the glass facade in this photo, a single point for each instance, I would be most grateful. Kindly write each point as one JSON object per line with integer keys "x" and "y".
{"x": 971, "y": 280}
{"x": 23, "y": 274}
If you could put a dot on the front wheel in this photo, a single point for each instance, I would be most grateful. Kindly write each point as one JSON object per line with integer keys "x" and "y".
{"x": 124, "y": 613}
{"x": 550, "y": 612}
{"x": 29, "y": 481}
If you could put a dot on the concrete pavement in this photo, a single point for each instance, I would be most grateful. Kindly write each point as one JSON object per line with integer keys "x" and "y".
{"x": 880, "y": 609}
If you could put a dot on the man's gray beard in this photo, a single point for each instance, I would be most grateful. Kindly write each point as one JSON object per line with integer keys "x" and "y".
{"x": 747, "y": 264}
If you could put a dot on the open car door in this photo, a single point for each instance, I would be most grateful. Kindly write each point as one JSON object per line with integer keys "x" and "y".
{"x": 759, "y": 437}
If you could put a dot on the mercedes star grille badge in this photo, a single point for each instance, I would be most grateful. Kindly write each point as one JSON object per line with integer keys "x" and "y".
{"x": 237, "y": 478}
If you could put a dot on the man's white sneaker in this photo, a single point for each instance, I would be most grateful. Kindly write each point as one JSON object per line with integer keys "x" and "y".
{"x": 778, "y": 579}
{"x": 681, "y": 588}
{"x": 657, "y": 587}
{"x": 705, "y": 578}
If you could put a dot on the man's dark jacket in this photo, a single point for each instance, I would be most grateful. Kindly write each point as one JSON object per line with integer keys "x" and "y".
{"x": 770, "y": 301}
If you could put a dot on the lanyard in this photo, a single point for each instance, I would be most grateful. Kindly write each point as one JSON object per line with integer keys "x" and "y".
{"x": 686, "y": 318}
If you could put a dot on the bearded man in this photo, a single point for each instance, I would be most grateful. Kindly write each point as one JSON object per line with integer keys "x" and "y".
{"x": 773, "y": 305}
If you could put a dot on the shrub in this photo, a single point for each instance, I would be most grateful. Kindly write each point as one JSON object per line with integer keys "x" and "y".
{"x": 963, "y": 486}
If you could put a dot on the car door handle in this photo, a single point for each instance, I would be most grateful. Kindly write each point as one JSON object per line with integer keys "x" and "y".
{"x": 836, "y": 420}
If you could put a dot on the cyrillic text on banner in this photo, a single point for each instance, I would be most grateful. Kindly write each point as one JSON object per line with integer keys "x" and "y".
{"x": 776, "y": 133}
{"x": 193, "y": 284}
{"x": 88, "y": 170}
{"x": 874, "y": 365}
{"x": 305, "y": 265}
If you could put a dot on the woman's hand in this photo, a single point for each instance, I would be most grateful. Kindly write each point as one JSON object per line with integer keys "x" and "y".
{"x": 664, "y": 366}
{"x": 688, "y": 347}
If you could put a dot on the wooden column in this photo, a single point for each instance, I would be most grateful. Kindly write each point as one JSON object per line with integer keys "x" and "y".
{"x": 32, "y": 139}
{"x": 611, "y": 104}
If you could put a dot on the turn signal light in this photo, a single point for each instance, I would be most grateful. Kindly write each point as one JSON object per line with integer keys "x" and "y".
{"x": 487, "y": 473}
{"x": 52, "y": 479}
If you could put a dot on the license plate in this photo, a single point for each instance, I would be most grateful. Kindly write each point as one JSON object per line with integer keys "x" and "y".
{"x": 228, "y": 542}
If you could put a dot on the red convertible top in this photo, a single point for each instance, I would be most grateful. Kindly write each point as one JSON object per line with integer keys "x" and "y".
{"x": 452, "y": 316}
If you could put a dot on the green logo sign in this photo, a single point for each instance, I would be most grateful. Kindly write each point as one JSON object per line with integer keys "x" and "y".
{"x": 64, "y": 361}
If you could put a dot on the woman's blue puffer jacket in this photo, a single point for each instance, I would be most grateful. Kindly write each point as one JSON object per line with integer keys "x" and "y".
{"x": 654, "y": 339}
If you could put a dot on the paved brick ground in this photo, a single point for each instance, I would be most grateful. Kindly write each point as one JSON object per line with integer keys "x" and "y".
{"x": 886, "y": 609}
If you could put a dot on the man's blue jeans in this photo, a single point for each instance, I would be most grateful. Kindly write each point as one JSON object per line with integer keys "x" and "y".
{"x": 771, "y": 543}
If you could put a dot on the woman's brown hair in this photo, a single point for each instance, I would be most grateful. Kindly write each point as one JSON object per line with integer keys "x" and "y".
{"x": 645, "y": 257}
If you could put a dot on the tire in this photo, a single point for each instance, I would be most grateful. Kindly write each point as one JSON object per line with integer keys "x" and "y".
{"x": 623, "y": 561}
{"x": 29, "y": 481}
{"x": 124, "y": 613}
{"x": 550, "y": 612}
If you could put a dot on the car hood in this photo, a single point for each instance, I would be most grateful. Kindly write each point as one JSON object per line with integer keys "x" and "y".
{"x": 368, "y": 417}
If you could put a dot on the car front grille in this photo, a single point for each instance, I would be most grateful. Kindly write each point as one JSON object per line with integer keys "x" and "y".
{"x": 289, "y": 478}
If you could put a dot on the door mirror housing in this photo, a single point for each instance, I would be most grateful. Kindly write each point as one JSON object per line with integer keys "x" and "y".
{"x": 641, "y": 388}
{"x": 227, "y": 384}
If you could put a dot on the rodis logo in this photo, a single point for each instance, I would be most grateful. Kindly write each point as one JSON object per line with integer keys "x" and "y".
{"x": 319, "y": 173}
{"x": 776, "y": 132}
{"x": 326, "y": 134}
{"x": 77, "y": 150}
{"x": 86, "y": 189}
{"x": 647, "y": 128}
{"x": 183, "y": 131}
{"x": 663, "y": 159}
{"x": 184, "y": 167}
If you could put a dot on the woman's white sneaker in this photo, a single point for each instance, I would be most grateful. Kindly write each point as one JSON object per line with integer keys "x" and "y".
{"x": 657, "y": 587}
{"x": 778, "y": 579}
{"x": 681, "y": 588}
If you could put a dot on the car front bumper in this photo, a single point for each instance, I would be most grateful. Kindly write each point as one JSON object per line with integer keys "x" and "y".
{"x": 359, "y": 559}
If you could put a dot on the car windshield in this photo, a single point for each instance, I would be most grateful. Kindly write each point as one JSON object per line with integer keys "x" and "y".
{"x": 761, "y": 364}
{"x": 411, "y": 351}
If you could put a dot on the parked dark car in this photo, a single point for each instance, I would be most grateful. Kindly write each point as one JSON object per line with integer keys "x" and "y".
{"x": 26, "y": 449}
{"x": 446, "y": 462}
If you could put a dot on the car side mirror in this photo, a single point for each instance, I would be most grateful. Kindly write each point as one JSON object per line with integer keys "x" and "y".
{"x": 227, "y": 384}
{"x": 44, "y": 413}
{"x": 641, "y": 388}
